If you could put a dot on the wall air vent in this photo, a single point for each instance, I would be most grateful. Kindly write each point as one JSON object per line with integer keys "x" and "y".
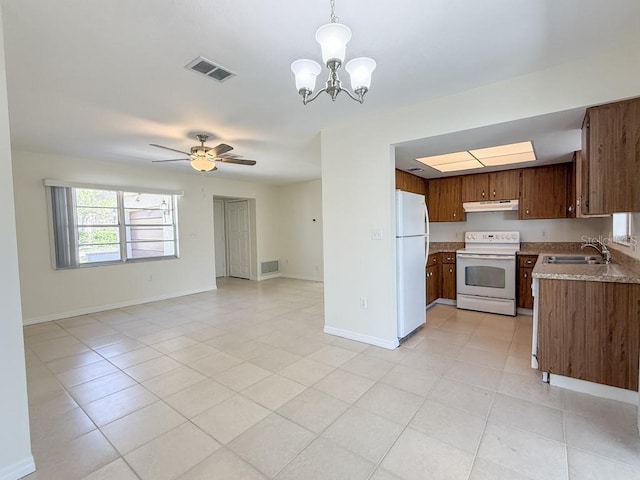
{"x": 210, "y": 69}
{"x": 272, "y": 266}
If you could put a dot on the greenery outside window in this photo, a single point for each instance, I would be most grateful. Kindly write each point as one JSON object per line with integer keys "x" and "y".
{"x": 93, "y": 226}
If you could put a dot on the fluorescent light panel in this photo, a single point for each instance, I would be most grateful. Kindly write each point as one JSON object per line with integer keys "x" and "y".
{"x": 482, "y": 157}
{"x": 454, "y": 167}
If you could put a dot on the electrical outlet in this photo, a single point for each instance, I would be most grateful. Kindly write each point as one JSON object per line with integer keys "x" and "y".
{"x": 363, "y": 302}
{"x": 376, "y": 234}
{"x": 544, "y": 234}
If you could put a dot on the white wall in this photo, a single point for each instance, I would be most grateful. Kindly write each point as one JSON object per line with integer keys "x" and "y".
{"x": 301, "y": 230}
{"x": 48, "y": 294}
{"x": 356, "y": 265}
{"x": 15, "y": 449}
{"x": 551, "y": 230}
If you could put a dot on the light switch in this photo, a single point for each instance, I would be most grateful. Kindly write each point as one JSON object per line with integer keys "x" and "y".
{"x": 376, "y": 234}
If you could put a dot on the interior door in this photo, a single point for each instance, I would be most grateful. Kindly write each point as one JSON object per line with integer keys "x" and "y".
{"x": 219, "y": 238}
{"x": 238, "y": 238}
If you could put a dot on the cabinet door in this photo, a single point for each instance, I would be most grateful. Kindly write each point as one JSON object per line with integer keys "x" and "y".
{"x": 475, "y": 188}
{"x": 572, "y": 193}
{"x": 433, "y": 283}
{"x": 410, "y": 183}
{"x": 504, "y": 185}
{"x": 612, "y": 135}
{"x": 543, "y": 192}
{"x": 445, "y": 200}
{"x": 525, "y": 296}
{"x": 449, "y": 280}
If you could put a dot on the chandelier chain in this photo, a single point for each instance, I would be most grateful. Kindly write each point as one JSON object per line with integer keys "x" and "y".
{"x": 334, "y": 19}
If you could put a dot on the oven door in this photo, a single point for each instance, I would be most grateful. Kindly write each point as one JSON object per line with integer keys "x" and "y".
{"x": 486, "y": 275}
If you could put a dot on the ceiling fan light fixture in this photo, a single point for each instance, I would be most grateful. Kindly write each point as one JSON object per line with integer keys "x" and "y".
{"x": 203, "y": 164}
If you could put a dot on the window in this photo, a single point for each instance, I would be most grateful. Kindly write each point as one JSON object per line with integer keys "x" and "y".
{"x": 622, "y": 228}
{"x": 96, "y": 226}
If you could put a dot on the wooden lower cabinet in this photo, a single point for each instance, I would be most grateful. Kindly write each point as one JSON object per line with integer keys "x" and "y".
{"x": 441, "y": 276}
{"x": 589, "y": 331}
{"x": 448, "y": 276}
{"x": 433, "y": 283}
{"x": 523, "y": 282}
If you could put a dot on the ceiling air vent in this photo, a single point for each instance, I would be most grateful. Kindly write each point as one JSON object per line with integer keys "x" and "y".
{"x": 210, "y": 69}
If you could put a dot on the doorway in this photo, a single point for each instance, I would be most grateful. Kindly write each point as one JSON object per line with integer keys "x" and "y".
{"x": 232, "y": 237}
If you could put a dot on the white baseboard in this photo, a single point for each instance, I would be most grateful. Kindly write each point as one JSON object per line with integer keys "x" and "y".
{"x": 595, "y": 389}
{"x": 18, "y": 470}
{"x": 445, "y": 301}
{"x": 102, "y": 308}
{"x": 269, "y": 276}
{"x": 359, "y": 337}
{"x": 302, "y": 277}
{"x": 524, "y": 311}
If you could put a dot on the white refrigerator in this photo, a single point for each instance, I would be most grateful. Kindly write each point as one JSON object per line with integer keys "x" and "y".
{"x": 412, "y": 248}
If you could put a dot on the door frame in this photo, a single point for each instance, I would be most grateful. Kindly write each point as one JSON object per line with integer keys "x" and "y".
{"x": 251, "y": 202}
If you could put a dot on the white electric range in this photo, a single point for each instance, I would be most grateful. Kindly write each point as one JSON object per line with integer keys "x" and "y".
{"x": 486, "y": 272}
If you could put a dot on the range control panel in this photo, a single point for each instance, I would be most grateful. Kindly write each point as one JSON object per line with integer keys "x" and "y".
{"x": 492, "y": 237}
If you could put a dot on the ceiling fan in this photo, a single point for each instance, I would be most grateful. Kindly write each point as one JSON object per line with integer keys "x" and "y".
{"x": 204, "y": 158}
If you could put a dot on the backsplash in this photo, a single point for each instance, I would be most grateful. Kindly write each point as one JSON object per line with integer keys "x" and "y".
{"x": 551, "y": 230}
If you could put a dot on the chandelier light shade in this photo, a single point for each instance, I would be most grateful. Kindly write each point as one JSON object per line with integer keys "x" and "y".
{"x": 306, "y": 72}
{"x": 333, "y": 38}
{"x": 360, "y": 70}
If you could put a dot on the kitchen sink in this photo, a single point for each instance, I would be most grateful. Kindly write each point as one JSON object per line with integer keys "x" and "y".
{"x": 573, "y": 260}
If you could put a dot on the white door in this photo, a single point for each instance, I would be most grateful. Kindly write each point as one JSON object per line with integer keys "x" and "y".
{"x": 238, "y": 238}
{"x": 219, "y": 238}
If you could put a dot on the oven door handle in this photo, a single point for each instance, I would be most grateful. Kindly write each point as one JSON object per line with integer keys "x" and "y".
{"x": 487, "y": 257}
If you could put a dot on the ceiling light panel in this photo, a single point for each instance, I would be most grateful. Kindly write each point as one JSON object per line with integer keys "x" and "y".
{"x": 508, "y": 159}
{"x": 502, "y": 150}
{"x": 446, "y": 159}
{"x": 454, "y": 167}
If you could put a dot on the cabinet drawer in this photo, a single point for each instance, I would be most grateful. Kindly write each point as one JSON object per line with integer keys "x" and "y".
{"x": 448, "y": 257}
{"x": 527, "y": 261}
{"x": 434, "y": 259}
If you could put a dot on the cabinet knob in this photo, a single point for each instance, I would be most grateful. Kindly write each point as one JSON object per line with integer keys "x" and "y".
{"x": 570, "y": 208}
{"x": 529, "y": 262}
{"x": 526, "y": 274}
{"x": 526, "y": 211}
{"x": 454, "y": 214}
{"x": 494, "y": 193}
{"x": 483, "y": 194}
{"x": 451, "y": 270}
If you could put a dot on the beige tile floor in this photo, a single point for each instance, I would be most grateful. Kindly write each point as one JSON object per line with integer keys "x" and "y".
{"x": 241, "y": 383}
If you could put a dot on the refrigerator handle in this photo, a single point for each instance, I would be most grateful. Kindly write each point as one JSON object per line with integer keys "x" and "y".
{"x": 426, "y": 251}
{"x": 426, "y": 216}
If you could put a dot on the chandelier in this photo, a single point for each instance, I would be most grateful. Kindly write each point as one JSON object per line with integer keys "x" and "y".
{"x": 333, "y": 38}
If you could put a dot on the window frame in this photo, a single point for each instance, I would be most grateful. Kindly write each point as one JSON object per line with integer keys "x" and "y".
{"x": 622, "y": 239}
{"x": 122, "y": 225}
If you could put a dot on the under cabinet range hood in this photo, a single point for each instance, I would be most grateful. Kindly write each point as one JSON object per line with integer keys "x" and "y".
{"x": 491, "y": 206}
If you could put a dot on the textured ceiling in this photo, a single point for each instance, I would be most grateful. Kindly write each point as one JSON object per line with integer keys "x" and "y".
{"x": 103, "y": 79}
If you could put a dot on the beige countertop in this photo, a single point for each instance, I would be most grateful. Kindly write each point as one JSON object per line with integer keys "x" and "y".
{"x": 439, "y": 247}
{"x": 627, "y": 272}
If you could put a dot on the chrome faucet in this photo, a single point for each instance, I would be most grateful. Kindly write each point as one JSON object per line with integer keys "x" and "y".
{"x": 603, "y": 250}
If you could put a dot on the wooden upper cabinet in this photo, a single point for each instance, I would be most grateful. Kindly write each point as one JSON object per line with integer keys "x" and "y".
{"x": 572, "y": 192}
{"x": 503, "y": 185}
{"x": 410, "y": 183}
{"x": 610, "y": 139}
{"x": 543, "y": 192}
{"x": 475, "y": 188}
{"x": 445, "y": 200}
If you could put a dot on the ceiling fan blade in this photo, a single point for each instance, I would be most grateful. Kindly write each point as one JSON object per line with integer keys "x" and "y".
{"x": 168, "y": 148}
{"x": 172, "y": 160}
{"x": 222, "y": 148}
{"x": 237, "y": 161}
